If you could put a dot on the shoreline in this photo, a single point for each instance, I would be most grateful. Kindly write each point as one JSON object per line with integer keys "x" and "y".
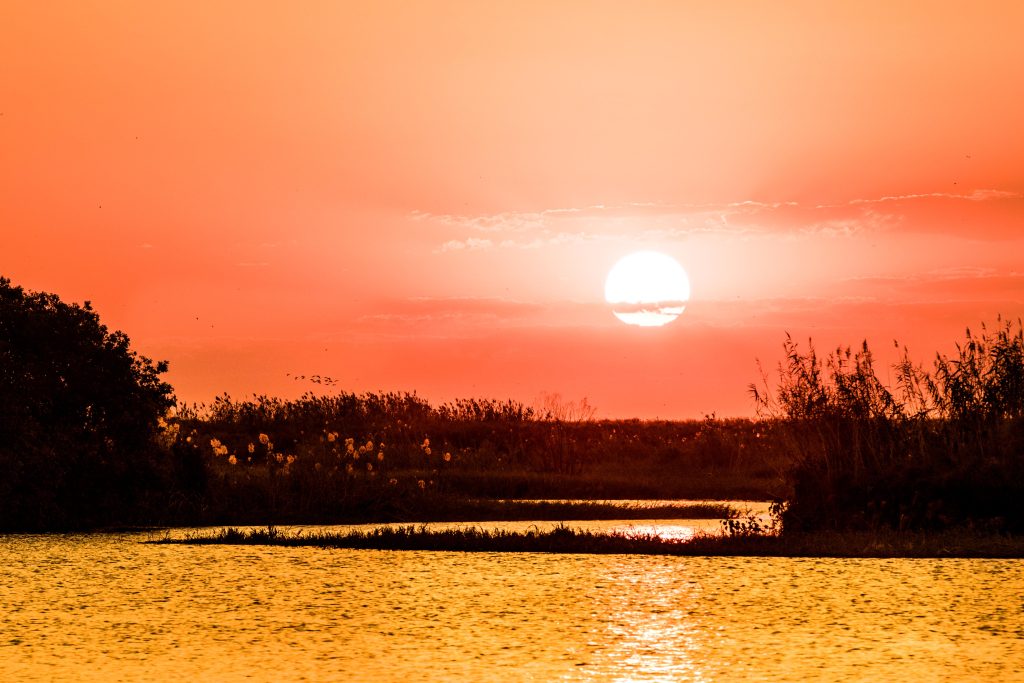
{"x": 958, "y": 543}
{"x": 467, "y": 511}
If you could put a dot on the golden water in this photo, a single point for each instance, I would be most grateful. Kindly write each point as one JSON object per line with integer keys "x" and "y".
{"x": 108, "y": 608}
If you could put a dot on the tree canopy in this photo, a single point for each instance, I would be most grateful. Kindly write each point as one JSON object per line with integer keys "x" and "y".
{"x": 78, "y": 413}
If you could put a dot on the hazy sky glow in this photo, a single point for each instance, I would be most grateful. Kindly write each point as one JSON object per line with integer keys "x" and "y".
{"x": 427, "y": 196}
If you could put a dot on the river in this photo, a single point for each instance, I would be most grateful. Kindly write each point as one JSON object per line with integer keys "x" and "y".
{"x": 107, "y": 607}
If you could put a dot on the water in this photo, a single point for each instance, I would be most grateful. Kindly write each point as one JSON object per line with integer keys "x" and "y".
{"x": 105, "y": 607}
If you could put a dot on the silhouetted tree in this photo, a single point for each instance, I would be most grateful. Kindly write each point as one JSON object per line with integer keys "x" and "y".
{"x": 78, "y": 413}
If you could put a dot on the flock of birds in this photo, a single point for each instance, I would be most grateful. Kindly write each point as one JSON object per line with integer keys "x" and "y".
{"x": 315, "y": 379}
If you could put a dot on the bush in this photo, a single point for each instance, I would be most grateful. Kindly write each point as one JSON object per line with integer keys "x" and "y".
{"x": 78, "y": 414}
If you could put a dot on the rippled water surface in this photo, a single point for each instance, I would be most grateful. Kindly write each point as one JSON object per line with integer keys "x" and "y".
{"x": 107, "y": 607}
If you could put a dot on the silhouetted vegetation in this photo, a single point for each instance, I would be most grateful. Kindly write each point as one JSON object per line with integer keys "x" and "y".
{"x": 394, "y": 457}
{"x": 944, "y": 447}
{"x": 78, "y": 414}
{"x": 89, "y": 437}
{"x": 563, "y": 539}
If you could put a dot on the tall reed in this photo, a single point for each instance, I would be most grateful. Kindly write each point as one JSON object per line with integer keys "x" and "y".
{"x": 942, "y": 447}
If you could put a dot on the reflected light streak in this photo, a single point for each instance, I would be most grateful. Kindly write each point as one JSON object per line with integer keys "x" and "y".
{"x": 656, "y": 639}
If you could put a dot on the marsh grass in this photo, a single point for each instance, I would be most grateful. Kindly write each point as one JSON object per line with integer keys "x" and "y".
{"x": 943, "y": 447}
{"x": 563, "y": 539}
{"x": 394, "y": 457}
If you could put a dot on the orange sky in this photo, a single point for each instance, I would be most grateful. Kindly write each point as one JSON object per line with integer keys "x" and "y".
{"x": 427, "y": 196}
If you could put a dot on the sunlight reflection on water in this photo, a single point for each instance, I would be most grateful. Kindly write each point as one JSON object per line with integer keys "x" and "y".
{"x": 103, "y": 607}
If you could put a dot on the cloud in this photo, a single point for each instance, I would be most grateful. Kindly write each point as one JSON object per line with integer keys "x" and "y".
{"x": 544, "y": 238}
{"x": 848, "y": 320}
{"x": 985, "y": 214}
{"x": 475, "y": 317}
{"x": 981, "y": 195}
{"x": 450, "y": 309}
{"x": 949, "y": 285}
{"x": 468, "y": 244}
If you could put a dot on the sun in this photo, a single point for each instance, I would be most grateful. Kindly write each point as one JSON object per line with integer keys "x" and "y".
{"x": 647, "y": 288}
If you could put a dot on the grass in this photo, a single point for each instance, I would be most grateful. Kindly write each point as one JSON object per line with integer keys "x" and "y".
{"x": 938, "y": 449}
{"x": 393, "y": 457}
{"x": 562, "y": 539}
